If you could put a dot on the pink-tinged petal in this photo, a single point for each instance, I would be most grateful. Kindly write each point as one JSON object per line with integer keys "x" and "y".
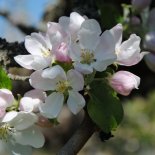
{"x": 6, "y": 98}
{"x": 117, "y": 31}
{"x": 37, "y": 81}
{"x": 129, "y": 52}
{"x": 106, "y": 47}
{"x": 62, "y": 53}
{"x": 91, "y": 25}
{"x": 34, "y": 62}
{"x": 53, "y": 105}
{"x": 124, "y": 82}
{"x": 83, "y": 68}
{"x": 32, "y": 100}
{"x": 36, "y": 93}
{"x": 150, "y": 61}
{"x": 31, "y": 136}
{"x": 75, "y": 102}
{"x": 2, "y": 111}
{"x": 75, "y": 79}
{"x": 54, "y": 73}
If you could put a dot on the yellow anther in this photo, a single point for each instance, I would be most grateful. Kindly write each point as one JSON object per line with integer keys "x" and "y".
{"x": 87, "y": 56}
{"x": 62, "y": 86}
{"x": 45, "y": 52}
{"x": 5, "y": 131}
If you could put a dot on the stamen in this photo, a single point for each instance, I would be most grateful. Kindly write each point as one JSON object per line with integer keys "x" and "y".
{"x": 45, "y": 52}
{"x": 87, "y": 56}
{"x": 62, "y": 86}
{"x": 5, "y": 131}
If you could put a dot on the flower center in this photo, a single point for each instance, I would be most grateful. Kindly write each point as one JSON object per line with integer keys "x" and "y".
{"x": 62, "y": 86}
{"x": 45, "y": 52}
{"x": 87, "y": 56}
{"x": 5, "y": 131}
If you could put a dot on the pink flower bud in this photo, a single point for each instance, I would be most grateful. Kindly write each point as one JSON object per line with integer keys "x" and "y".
{"x": 62, "y": 53}
{"x": 140, "y": 4}
{"x": 123, "y": 82}
{"x": 135, "y": 21}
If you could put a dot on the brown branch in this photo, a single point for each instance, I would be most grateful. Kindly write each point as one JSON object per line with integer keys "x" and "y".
{"x": 79, "y": 138}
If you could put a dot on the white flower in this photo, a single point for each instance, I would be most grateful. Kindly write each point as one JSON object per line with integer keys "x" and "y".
{"x": 72, "y": 24}
{"x": 18, "y": 128}
{"x": 128, "y": 52}
{"x": 40, "y": 49}
{"x": 62, "y": 85}
{"x": 92, "y": 51}
{"x": 32, "y": 100}
{"x": 6, "y": 100}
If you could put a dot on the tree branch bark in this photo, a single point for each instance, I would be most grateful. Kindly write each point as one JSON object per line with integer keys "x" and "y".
{"x": 79, "y": 138}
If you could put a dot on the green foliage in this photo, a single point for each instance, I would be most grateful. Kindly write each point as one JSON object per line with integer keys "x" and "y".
{"x": 104, "y": 107}
{"x": 5, "y": 82}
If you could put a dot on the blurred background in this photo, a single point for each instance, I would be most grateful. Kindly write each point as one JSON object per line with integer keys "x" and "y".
{"x": 136, "y": 134}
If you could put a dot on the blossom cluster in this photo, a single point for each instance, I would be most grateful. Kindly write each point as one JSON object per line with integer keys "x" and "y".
{"x": 63, "y": 58}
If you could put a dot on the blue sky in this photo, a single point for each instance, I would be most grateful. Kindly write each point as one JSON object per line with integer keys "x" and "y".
{"x": 31, "y": 9}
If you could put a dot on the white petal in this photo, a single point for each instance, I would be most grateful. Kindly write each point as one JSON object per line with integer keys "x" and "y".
{"x": 75, "y": 79}
{"x": 117, "y": 31}
{"x": 106, "y": 46}
{"x": 102, "y": 65}
{"x": 53, "y": 105}
{"x": 92, "y": 25}
{"x": 75, "y": 102}
{"x": 75, "y": 52}
{"x": 83, "y": 68}
{"x": 38, "y": 82}
{"x": 17, "y": 149}
{"x": 26, "y": 104}
{"x": 54, "y": 72}
{"x": 64, "y": 22}
{"x": 9, "y": 116}
{"x": 31, "y": 136}
{"x": 33, "y": 46}
{"x": 88, "y": 39}
{"x": 32, "y": 61}
{"x": 129, "y": 52}
{"x": 23, "y": 120}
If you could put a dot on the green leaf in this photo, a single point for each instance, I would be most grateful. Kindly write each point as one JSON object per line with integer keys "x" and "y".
{"x": 5, "y": 82}
{"x": 104, "y": 107}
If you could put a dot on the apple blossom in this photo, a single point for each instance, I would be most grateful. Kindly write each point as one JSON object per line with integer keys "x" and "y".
{"x": 6, "y": 100}
{"x": 123, "y": 82}
{"x": 61, "y": 84}
{"x": 18, "y": 128}
{"x": 40, "y": 49}
{"x": 128, "y": 52}
{"x": 92, "y": 51}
